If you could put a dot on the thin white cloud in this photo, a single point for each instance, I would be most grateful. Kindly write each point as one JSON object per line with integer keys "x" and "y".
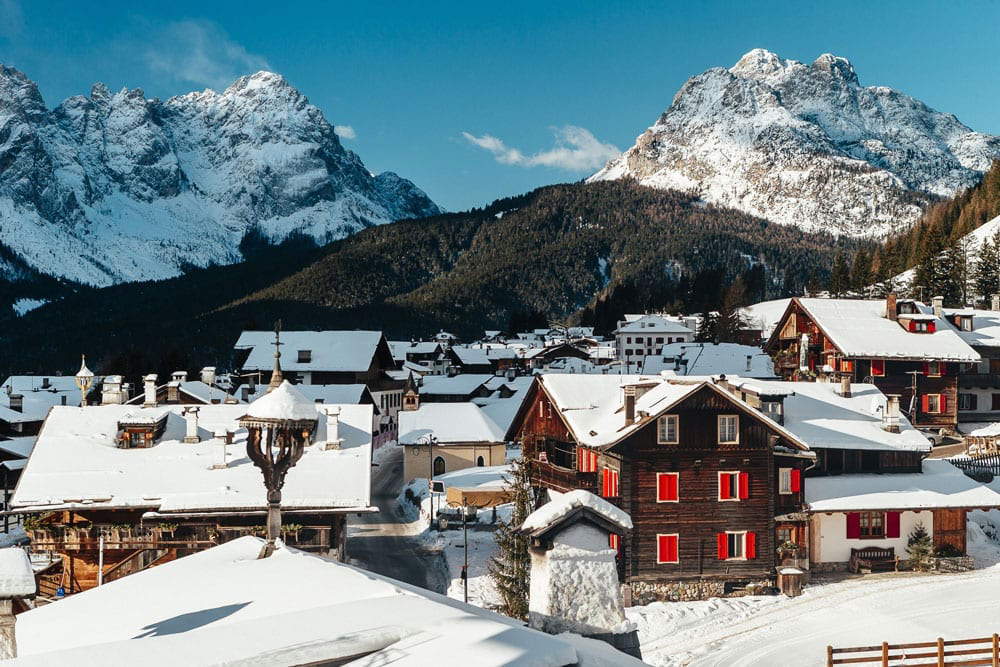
{"x": 345, "y": 131}
{"x": 576, "y": 149}
{"x": 11, "y": 19}
{"x": 201, "y": 53}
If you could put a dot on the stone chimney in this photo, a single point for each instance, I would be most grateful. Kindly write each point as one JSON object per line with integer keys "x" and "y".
{"x": 995, "y": 302}
{"x": 179, "y": 376}
{"x": 890, "y": 306}
{"x": 191, "y": 422}
{"x": 112, "y": 392}
{"x": 890, "y": 420}
{"x": 149, "y": 389}
{"x": 17, "y": 402}
{"x": 629, "y": 403}
{"x": 208, "y": 375}
{"x": 574, "y": 577}
{"x": 937, "y": 302}
{"x": 226, "y": 438}
{"x": 845, "y": 386}
{"x": 333, "y": 439}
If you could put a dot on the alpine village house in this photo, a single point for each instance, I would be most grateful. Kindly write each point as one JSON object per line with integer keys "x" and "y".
{"x": 709, "y": 481}
{"x": 901, "y": 346}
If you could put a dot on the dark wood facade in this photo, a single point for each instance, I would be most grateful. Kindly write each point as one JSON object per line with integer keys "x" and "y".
{"x": 698, "y": 516}
{"x": 928, "y": 389}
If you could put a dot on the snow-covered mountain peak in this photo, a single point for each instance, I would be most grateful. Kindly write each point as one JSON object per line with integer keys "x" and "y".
{"x": 116, "y": 186}
{"x": 806, "y": 145}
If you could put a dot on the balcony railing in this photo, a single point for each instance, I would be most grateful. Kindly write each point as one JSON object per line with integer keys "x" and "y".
{"x": 979, "y": 380}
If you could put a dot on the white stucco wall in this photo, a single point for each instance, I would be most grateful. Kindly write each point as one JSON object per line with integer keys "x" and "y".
{"x": 830, "y": 544}
{"x": 574, "y": 586}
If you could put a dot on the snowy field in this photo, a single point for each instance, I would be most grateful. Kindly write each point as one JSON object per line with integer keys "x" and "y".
{"x": 780, "y": 631}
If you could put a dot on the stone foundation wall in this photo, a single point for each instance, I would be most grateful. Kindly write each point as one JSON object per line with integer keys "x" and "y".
{"x": 645, "y": 592}
{"x": 956, "y": 564}
{"x": 829, "y": 567}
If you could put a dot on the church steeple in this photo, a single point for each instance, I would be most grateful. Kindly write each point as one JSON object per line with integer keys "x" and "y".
{"x": 276, "y": 376}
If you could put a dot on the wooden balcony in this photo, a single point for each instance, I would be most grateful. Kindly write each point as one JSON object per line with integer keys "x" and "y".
{"x": 979, "y": 380}
{"x": 550, "y": 476}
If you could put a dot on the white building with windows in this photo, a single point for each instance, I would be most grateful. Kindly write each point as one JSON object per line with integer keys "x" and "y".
{"x": 648, "y": 334}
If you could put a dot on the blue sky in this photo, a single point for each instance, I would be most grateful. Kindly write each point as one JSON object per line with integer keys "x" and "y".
{"x": 430, "y": 88}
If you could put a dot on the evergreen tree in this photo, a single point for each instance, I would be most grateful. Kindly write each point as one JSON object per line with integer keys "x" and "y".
{"x": 708, "y": 328}
{"x": 840, "y": 278}
{"x": 955, "y": 273}
{"x": 986, "y": 276}
{"x": 730, "y": 320}
{"x": 510, "y": 568}
{"x": 931, "y": 275}
{"x": 861, "y": 271}
{"x": 919, "y": 548}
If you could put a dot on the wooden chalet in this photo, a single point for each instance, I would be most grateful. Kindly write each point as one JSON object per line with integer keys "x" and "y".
{"x": 712, "y": 485}
{"x": 135, "y": 486}
{"x": 902, "y": 347}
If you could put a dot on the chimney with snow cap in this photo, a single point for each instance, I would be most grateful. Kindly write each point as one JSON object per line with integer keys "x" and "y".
{"x": 149, "y": 389}
{"x": 16, "y": 402}
{"x": 890, "y": 420}
{"x": 628, "y": 400}
{"x": 191, "y": 423}
{"x": 937, "y": 302}
{"x": 574, "y": 576}
{"x": 333, "y": 439}
{"x": 208, "y": 375}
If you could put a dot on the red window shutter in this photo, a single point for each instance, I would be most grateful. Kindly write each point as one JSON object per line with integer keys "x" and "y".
{"x": 931, "y": 327}
{"x": 944, "y": 368}
{"x": 927, "y": 368}
{"x": 751, "y": 546}
{"x": 892, "y": 524}
{"x": 796, "y": 480}
{"x": 924, "y": 403}
{"x": 605, "y": 482}
{"x": 672, "y": 551}
{"x": 913, "y": 325}
{"x": 724, "y": 485}
{"x": 942, "y": 403}
{"x": 744, "y": 485}
{"x": 666, "y": 487}
{"x": 853, "y": 526}
{"x": 723, "y": 546}
{"x": 878, "y": 367}
{"x": 614, "y": 541}
{"x": 674, "y": 484}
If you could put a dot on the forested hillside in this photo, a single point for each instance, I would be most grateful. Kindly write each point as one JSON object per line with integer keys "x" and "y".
{"x": 579, "y": 252}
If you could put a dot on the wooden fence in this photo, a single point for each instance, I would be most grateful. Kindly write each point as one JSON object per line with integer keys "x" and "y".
{"x": 978, "y": 463}
{"x": 940, "y": 653}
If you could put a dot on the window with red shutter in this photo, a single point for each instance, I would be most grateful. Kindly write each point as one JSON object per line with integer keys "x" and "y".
{"x": 723, "y": 546}
{"x": 744, "y": 485}
{"x": 729, "y": 487}
{"x": 667, "y": 487}
{"x": 751, "y": 546}
{"x": 942, "y": 404}
{"x": 892, "y": 524}
{"x": 667, "y": 548}
{"x": 924, "y": 403}
{"x": 614, "y": 541}
{"x": 853, "y": 525}
{"x": 796, "y": 480}
{"x": 878, "y": 367}
{"x": 609, "y": 483}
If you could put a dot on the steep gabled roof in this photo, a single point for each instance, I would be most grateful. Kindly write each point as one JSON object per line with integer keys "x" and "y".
{"x": 332, "y": 351}
{"x": 859, "y": 329}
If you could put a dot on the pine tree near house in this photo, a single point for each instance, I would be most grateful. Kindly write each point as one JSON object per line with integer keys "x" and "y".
{"x": 986, "y": 275}
{"x": 861, "y": 271}
{"x": 510, "y": 568}
{"x": 840, "y": 277}
{"x": 919, "y": 548}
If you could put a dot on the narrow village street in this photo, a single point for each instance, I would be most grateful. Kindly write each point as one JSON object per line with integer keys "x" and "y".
{"x": 383, "y": 543}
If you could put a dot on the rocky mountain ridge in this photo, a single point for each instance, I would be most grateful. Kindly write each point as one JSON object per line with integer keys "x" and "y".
{"x": 116, "y": 187}
{"x": 806, "y": 145}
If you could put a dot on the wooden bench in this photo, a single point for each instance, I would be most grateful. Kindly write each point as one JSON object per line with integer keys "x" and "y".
{"x": 874, "y": 558}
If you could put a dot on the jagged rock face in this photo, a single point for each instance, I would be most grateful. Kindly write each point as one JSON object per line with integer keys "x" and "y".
{"x": 806, "y": 145}
{"x": 116, "y": 187}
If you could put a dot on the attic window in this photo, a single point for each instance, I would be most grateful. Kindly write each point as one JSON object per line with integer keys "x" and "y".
{"x": 966, "y": 323}
{"x": 139, "y": 432}
{"x": 305, "y": 356}
{"x": 921, "y": 326}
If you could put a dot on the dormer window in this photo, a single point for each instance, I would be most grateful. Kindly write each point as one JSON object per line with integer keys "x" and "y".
{"x": 140, "y": 431}
{"x": 965, "y": 323}
{"x": 305, "y": 356}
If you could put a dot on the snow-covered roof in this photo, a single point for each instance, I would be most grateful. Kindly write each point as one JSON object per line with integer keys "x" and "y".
{"x": 939, "y": 485}
{"x": 985, "y": 327}
{"x": 205, "y": 392}
{"x": 984, "y": 429}
{"x": 480, "y": 356}
{"x": 76, "y": 464}
{"x": 17, "y": 580}
{"x": 593, "y": 405}
{"x": 226, "y": 606}
{"x": 335, "y": 351}
{"x": 285, "y": 402}
{"x": 324, "y": 393}
{"x": 449, "y": 423}
{"x": 35, "y": 400}
{"x": 401, "y": 348}
{"x": 652, "y": 324}
{"x": 19, "y": 445}
{"x": 859, "y": 329}
{"x": 460, "y": 385}
{"x": 824, "y": 419}
{"x": 765, "y": 315}
{"x": 563, "y": 504}
{"x": 711, "y": 359}
{"x": 477, "y": 477}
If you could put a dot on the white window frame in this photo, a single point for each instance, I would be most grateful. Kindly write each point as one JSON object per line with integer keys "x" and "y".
{"x": 934, "y": 369}
{"x": 785, "y": 481}
{"x": 664, "y": 474}
{"x": 934, "y": 407}
{"x": 662, "y": 420}
{"x": 668, "y": 562}
{"x": 718, "y": 488}
{"x": 743, "y": 544}
{"x": 718, "y": 422}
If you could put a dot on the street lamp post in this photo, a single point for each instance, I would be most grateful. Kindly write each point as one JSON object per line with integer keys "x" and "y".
{"x": 431, "y": 441}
